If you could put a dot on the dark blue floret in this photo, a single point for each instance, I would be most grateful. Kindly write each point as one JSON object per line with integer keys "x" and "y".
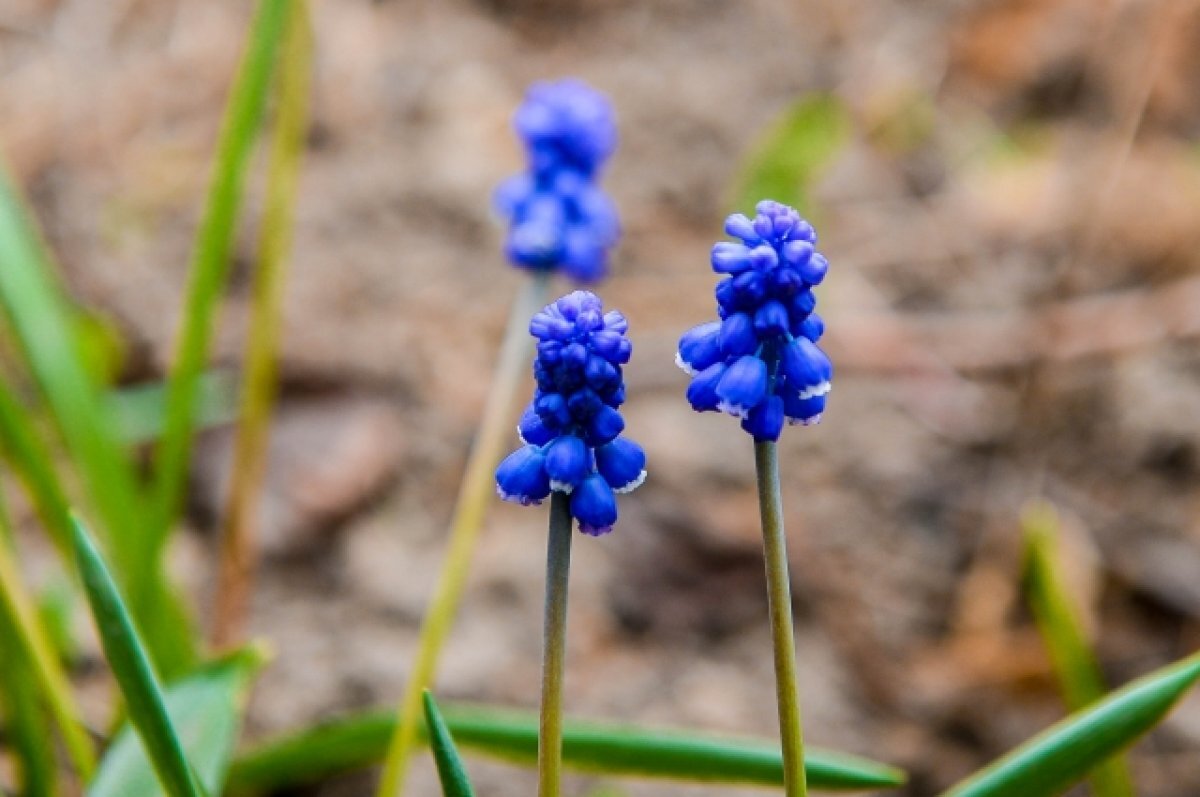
{"x": 595, "y": 506}
{"x": 522, "y": 476}
{"x": 761, "y": 362}
{"x": 622, "y": 463}
{"x": 572, "y": 427}
{"x": 559, "y": 218}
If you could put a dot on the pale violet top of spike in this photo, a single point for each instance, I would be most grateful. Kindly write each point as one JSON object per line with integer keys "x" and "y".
{"x": 559, "y": 217}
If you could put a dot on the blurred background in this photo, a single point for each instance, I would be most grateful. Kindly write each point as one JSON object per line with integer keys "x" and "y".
{"x": 1008, "y": 192}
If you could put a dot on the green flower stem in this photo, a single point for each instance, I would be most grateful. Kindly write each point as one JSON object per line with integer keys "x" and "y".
{"x": 474, "y": 494}
{"x": 558, "y": 567}
{"x": 239, "y": 536}
{"x": 779, "y": 599}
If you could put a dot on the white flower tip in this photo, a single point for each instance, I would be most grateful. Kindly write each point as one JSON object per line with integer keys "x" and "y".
{"x": 687, "y": 369}
{"x": 816, "y": 390}
{"x": 813, "y": 421}
{"x": 561, "y": 487}
{"x": 633, "y": 485}
{"x": 733, "y": 409}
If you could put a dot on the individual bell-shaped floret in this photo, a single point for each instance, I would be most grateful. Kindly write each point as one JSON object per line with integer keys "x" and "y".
{"x": 567, "y": 462}
{"x": 594, "y": 505}
{"x": 742, "y": 386}
{"x": 622, "y": 463}
{"x": 765, "y": 421}
{"x": 699, "y": 347}
{"x": 522, "y": 478}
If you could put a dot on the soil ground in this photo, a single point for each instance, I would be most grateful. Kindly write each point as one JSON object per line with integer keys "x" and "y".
{"x": 1013, "y": 230}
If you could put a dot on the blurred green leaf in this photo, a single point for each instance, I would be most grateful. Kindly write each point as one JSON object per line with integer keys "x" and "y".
{"x": 786, "y": 162}
{"x": 451, "y": 771}
{"x": 103, "y": 346}
{"x": 27, "y": 731}
{"x": 206, "y": 708}
{"x": 606, "y": 791}
{"x": 32, "y": 463}
{"x": 602, "y": 748}
{"x": 211, "y": 258}
{"x": 36, "y": 655}
{"x": 1068, "y": 644}
{"x": 56, "y": 607}
{"x": 259, "y": 386}
{"x": 45, "y": 323}
{"x": 1051, "y": 762}
{"x": 140, "y": 410}
{"x": 134, "y": 673}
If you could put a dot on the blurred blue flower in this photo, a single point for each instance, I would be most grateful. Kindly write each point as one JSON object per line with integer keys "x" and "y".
{"x": 559, "y": 218}
{"x": 572, "y": 427}
{"x": 760, "y": 362}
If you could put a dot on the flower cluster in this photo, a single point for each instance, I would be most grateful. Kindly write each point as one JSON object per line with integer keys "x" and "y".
{"x": 572, "y": 428}
{"x": 558, "y": 215}
{"x": 760, "y": 362}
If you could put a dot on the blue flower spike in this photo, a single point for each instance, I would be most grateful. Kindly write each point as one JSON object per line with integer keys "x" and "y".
{"x": 572, "y": 429}
{"x": 559, "y": 217}
{"x": 760, "y": 362}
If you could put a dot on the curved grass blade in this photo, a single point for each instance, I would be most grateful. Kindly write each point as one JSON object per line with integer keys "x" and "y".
{"x": 1051, "y": 762}
{"x": 206, "y": 708}
{"x": 238, "y": 544}
{"x": 1067, "y": 641}
{"x": 210, "y": 261}
{"x": 451, "y": 771}
{"x": 26, "y": 728}
{"x": 33, "y": 465}
{"x": 20, "y": 617}
{"x": 610, "y": 749}
{"x": 45, "y": 325}
{"x": 42, "y": 320}
{"x": 789, "y": 157}
{"x": 134, "y": 673}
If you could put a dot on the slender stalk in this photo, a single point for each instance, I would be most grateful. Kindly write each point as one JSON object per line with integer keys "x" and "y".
{"x": 209, "y": 269}
{"x": 474, "y": 493}
{"x": 18, "y": 612}
{"x": 238, "y": 541}
{"x": 558, "y": 567}
{"x": 779, "y": 598}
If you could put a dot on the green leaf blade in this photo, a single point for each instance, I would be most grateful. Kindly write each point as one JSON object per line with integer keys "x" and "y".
{"x": 451, "y": 771}
{"x": 134, "y": 673}
{"x": 211, "y": 260}
{"x": 791, "y": 154}
{"x": 26, "y": 727}
{"x": 511, "y": 736}
{"x": 1058, "y": 621}
{"x": 45, "y": 324}
{"x": 1063, "y": 754}
{"x": 207, "y": 708}
{"x": 30, "y": 459}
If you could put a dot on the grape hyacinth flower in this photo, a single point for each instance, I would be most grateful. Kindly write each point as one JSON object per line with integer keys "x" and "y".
{"x": 572, "y": 428}
{"x": 761, "y": 361}
{"x": 560, "y": 221}
{"x": 559, "y": 217}
{"x": 574, "y": 454}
